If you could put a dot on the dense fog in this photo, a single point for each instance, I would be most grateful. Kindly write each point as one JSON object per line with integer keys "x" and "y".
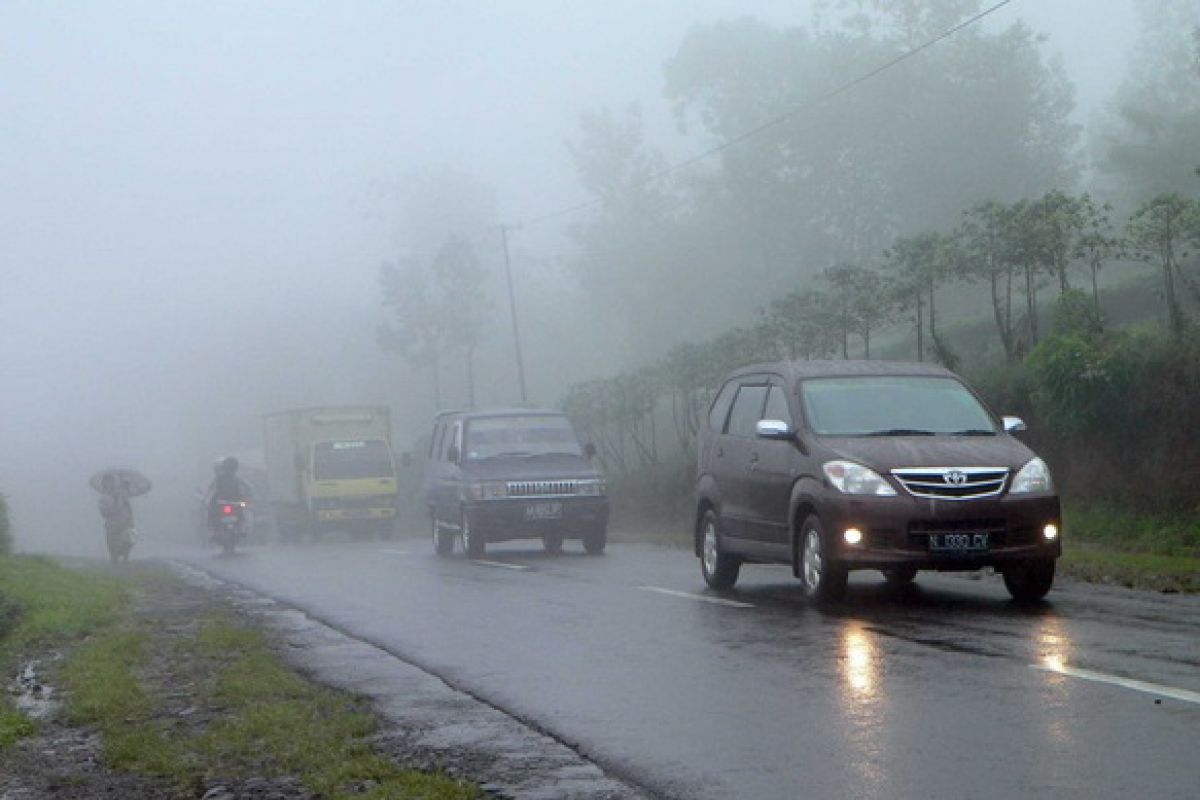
{"x": 197, "y": 199}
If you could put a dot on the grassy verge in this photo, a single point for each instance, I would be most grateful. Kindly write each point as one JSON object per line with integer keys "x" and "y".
{"x": 1108, "y": 545}
{"x": 183, "y": 695}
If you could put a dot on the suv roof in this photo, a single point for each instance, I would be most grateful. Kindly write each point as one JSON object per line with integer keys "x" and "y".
{"x": 795, "y": 370}
{"x": 500, "y": 412}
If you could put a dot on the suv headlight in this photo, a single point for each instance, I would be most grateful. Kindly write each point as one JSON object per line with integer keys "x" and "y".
{"x": 1033, "y": 477}
{"x": 850, "y": 478}
{"x": 487, "y": 490}
{"x": 593, "y": 487}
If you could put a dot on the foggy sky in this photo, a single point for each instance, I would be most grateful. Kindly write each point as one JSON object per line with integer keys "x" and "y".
{"x": 185, "y": 185}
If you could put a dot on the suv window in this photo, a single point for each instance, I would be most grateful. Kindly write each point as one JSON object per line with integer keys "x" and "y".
{"x": 747, "y": 410}
{"x": 777, "y": 406}
{"x": 521, "y": 436}
{"x": 435, "y": 441}
{"x": 720, "y": 407}
{"x": 451, "y": 436}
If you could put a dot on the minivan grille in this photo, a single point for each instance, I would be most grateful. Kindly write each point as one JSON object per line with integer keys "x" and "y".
{"x": 952, "y": 483}
{"x": 542, "y": 488}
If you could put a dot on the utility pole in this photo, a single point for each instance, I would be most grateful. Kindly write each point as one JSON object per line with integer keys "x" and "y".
{"x": 512, "y": 305}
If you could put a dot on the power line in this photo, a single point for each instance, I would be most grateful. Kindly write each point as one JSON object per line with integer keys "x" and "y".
{"x": 782, "y": 118}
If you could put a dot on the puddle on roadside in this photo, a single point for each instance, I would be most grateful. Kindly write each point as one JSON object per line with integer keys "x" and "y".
{"x": 32, "y": 696}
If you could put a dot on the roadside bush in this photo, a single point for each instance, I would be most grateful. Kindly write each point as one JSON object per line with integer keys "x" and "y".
{"x": 6, "y": 539}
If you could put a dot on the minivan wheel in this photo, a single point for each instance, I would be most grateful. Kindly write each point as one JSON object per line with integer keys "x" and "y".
{"x": 899, "y": 576}
{"x": 822, "y": 578}
{"x": 720, "y": 570}
{"x": 1030, "y": 581}
{"x": 443, "y": 543}
{"x": 473, "y": 543}
{"x": 552, "y": 542}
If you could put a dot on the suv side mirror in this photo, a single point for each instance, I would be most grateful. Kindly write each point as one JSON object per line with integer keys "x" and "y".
{"x": 773, "y": 429}
{"x": 452, "y": 453}
{"x": 1013, "y": 424}
{"x": 589, "y": 451}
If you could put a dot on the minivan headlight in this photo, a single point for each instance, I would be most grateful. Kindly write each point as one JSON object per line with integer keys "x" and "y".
{"x": 1033, "y": 477}
{"x": 487, "y": 490}
{"x": 850, "y": 478}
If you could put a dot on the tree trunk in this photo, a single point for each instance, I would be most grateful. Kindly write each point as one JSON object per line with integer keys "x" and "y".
{"x": 920, "y": 327}
{"x": 1001, "y": 326}
{"x": 437, "y": 384}
{"x": 1031, "y": 304}
{"x": 932, "y": 315}
{"x": 1174, "y": 312}
{"x": 1095, "y": 286}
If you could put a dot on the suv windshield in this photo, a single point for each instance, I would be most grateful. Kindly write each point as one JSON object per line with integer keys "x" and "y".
{"x": 489, "y": 437}
{"x": 352, "y": 459}
{"x": 893, "y": 406}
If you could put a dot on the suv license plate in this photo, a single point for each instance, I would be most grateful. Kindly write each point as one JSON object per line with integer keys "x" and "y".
{"x": 958, "y": 542}
{"x": 543, "y": 511}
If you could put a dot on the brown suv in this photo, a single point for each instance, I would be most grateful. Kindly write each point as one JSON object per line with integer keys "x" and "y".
{"x": 840, "y": 465}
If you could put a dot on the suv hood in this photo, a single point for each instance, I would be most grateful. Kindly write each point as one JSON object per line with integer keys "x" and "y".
{"x": 529, "y": 468}
{"x": 886, "y": 453}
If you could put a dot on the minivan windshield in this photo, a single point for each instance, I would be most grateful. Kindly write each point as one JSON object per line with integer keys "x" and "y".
{"x": 520, "y": 435}
{"x": 370, "y": 458}
{"x": 893, "y": 406}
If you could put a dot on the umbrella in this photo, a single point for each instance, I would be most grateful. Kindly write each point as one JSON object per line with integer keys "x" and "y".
{"x": 133, "y": 482}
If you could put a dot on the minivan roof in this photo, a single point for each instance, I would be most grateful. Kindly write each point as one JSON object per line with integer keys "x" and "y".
{"x": 797, "y": 370}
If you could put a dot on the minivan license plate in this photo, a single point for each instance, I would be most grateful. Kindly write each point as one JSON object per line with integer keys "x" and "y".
{"x": 543, "y": 511}
{"x": 958, "y": 542}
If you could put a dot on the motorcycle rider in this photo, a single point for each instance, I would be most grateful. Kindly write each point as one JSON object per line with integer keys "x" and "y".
{"x": 226, "y": 487}
{"x": 117, "y": 512}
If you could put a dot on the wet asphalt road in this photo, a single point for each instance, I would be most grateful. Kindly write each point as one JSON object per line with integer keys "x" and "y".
{"x": 944, "y": 690}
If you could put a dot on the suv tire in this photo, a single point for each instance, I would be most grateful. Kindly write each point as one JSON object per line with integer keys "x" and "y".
{"x": 473, "y": 543}
{"x": 443, "y": 543}
{"x": 823, "y": 579}
{"x": 720, "y": 570}
{"x": 594, "y": 541}
{"x": 1030, "y": 581}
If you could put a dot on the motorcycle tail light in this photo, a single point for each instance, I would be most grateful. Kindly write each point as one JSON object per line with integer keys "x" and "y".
{"x": 228, "y": 509}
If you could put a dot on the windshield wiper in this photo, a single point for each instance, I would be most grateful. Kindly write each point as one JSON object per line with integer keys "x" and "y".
{"x": 901, "y": 432}
{"x": 510, "y": 454}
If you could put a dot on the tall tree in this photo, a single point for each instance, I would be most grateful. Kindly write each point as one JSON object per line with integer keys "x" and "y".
{"x": 461, "y": 301}
{"x": 1149, "y": 143}
{"x": 416, "y": 329}
{"x": 985, "y": 241}
{"x": 1159, "y": 232}
{"x": 1097, "y": 243}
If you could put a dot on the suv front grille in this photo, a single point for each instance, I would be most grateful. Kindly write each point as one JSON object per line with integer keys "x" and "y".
{"x": 952, "y": 483}
{"x": 542, "y": 488}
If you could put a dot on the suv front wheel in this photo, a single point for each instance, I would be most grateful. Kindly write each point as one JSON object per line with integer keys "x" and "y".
{"x": 720, "y": 570}
{"x": 823, "y": 579}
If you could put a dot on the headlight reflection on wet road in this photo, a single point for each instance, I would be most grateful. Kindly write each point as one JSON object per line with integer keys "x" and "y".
{"x": 864, "y": 705}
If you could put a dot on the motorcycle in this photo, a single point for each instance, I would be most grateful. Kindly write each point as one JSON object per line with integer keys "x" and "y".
{"x": 230, "y": 524}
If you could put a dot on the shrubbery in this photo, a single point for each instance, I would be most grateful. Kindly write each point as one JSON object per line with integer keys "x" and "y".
{"x": 6, "y": 539}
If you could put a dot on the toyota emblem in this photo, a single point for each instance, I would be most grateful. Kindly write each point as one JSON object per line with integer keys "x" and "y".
{"x": 955, "y": 477}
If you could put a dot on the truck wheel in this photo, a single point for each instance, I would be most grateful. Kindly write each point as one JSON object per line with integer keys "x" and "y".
{"x": 443, "y": 543}
{"x": 1029, "y": 582}
{"x": 720, "y": 570}
{"x": 473, "y": 543}
{"x": 552, "y": 542}
{"x": 823, "y": 579}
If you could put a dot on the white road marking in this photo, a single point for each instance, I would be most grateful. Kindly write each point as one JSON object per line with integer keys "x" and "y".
{"x": 1185, "y": 695}
{"x": 394, "y": 552}
{"x": 720, "y": 601}
{"x": 497, "y": 564}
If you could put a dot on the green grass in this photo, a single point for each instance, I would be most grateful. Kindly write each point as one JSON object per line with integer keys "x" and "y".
{"x": 309, "y": 731}
{"x": 257, "y": 718}
{"x": 1125, "y": 531}
{"x": 43, "y": 604}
